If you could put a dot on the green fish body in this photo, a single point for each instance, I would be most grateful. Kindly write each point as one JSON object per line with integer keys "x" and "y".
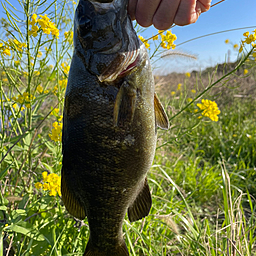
{"x": 111, "y": 113}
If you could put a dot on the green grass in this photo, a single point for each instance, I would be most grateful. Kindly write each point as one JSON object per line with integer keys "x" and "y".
{"x": 202, "y": 179}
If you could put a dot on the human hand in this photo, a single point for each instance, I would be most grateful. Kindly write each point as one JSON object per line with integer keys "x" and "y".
{"x": 163, "y": 13}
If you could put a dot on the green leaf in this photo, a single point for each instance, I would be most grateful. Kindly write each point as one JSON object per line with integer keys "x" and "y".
{"x": 3, "y": 208}
{"x": 26, "y": 229}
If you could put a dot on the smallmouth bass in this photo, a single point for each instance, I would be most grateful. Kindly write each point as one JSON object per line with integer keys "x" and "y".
{"x": 111, "y": 114}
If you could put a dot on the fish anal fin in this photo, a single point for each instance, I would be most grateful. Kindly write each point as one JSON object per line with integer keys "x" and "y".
{"x": 71, "y": 203}
{"x": 125, "y": 105}
{"x": 142, "y": 204}
{"x": 160, "y": 115}
{"x": 119, "y": 250}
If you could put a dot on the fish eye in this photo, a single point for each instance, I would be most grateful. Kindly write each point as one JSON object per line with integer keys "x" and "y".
{"x": 85, "y": 25}
{"x": 84, "y": 13}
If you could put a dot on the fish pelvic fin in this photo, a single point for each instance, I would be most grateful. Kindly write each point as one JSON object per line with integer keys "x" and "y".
{"x": 119, "y": 250}
{"x": 162, "y": 120}
{"x": 125, "y": 105}
{"x": 72, "y": 205}
{"x": 142, "y": 204}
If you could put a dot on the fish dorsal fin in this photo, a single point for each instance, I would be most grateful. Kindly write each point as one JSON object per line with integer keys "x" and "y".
{"x": 125, "y": 103}
{"x": 142, "y": 204}
{"x": 119, "y": 249}
{"x": 71, "y": 203}
{"x": 160, "y": 115}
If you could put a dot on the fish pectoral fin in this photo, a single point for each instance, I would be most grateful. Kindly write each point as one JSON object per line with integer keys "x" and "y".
{"x": 119, "y": 249}
{"x": 71, "y": 203}
{"x": 124, "y": 107}
{"x": 160, "y": 115}
{"x": 142, "y": 204}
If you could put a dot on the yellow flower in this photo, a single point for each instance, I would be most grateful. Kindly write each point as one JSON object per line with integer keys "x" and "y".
{"x": 155, "y": 37}
{"x": 5, "y": 80}
{"x": 226, "y": 41}
{"x": 173, "y": 93}
{"x": 38, "y": 185}
{"x": 168, "y": 40}
{"x": 48, "y": 26}
{"x": 189, "y": 100}
{"x": 235, "y": 46}
{"x": 63, "y": 83}
{"x": 56, "y": 132}
{"x": 33, "y": 31}
{"x": 55, "y": 112}
{"x": 46, "y": 186}
{"x": 51, "y": 182}
{"x": 45, "y": 174}
{"x": 69, "y": 36}
{"x": 37, "y": 72}
{"x": 7, "y": 52}
{"x": 193, "y": 91}
{"x": 65, "y": 67}
{"x": 16, "y": 63}
{"x": 39, "y": 54}
{"x": 145, "y": 42}
{"x": 210, "y": 109}
{"x": 187, "y": 74}
{"x": 179, "y": 86}
{"x": 245, "y": 71}
{"x": 40, "y": 88}
{"x": 33, "y": 19}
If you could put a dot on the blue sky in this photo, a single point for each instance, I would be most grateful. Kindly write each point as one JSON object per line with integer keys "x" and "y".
{"x": 210, "y": 50}
{"x": 230, "y": 14}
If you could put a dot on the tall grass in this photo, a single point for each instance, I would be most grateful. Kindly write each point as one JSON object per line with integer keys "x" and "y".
{"x": 203, "y": 176}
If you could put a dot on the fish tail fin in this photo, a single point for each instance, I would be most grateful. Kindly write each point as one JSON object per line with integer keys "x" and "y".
{"x": 119, "y": 250}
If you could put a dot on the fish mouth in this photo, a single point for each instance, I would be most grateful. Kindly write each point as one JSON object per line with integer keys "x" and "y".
{"x": 120, "y": 66}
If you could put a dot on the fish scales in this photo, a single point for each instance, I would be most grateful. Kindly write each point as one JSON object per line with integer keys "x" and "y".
{"x": 109, "y": 125}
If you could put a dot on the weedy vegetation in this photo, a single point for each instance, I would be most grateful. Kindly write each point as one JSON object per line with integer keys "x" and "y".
{"x": 204, "y": 173}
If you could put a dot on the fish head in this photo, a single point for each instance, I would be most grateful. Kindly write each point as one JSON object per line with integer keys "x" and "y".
{"x": 104, "y": 38}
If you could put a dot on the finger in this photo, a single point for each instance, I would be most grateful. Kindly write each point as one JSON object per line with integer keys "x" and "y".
{"x": 203, "y": 5}
{"x": 145, "y": 11}
{"x": 164, "y": 16}
{"x": 132, "y": 8}
{"x": 190, "y": 10}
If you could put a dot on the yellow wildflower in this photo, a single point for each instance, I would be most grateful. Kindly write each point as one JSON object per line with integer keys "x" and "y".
{"x": 39, "y": 54}
{"x": 38, "y": 185}
{"x": 69, "y": 36}
{"x": 56, "y": 132}
{"x": 7, "y": 52}
{"x": 65, "y": 67}
{"x": 51, "y": 182}
{"x": 48, "y": 26}
{"x": 235, "y": 46}
{"x": 5, "y": 80}
{"x": 155, "y": 37}
{"x": 173, "y": 93}
{"x": 168, "y": 40}
{"x": 46, "y": 186}
{"x": 16, "y": 63}
{"x": 45, "y": 174}
{"x": 144, "y": 41}
{"x": 39, "y": 88}
{"x": 226, "y": 41}
{"x": 179, "y": 86}
{"x": 55, "y": 112}
{"x": 187, "y": 74}
{"x": 245, "y": 71}
{"x": 193, "y": 91}
{"x": 210, "y": 109}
